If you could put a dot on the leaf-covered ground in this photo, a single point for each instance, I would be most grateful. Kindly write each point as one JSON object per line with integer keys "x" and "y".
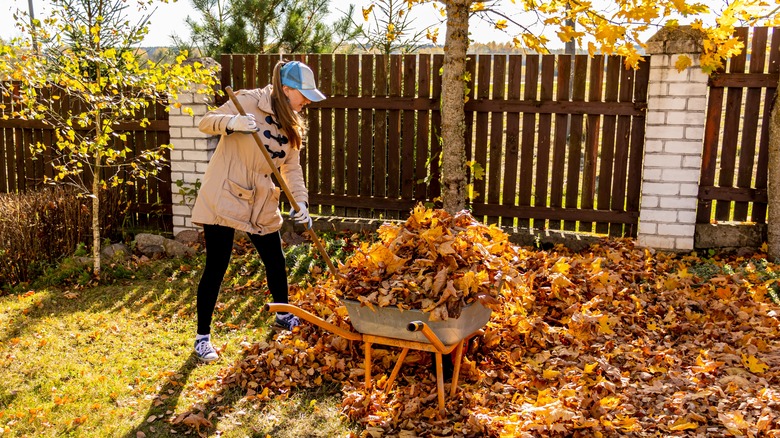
{"x": 613, "y": 341}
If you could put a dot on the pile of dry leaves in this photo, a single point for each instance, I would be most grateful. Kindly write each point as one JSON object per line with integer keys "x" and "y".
{"x": 434, "y": 262}
{"x": 612, "y": 341}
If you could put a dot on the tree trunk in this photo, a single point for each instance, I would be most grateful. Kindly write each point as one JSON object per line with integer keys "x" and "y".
{"x": 453, "y": 124}
{"x": 96, "y": 195}
{"x": 96, "y": 225}
{"x": 773, "y": 181}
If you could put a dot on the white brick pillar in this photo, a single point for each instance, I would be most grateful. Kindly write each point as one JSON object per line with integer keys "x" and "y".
{"x": 676, "y": 105}
{"x": 189, "y": 156}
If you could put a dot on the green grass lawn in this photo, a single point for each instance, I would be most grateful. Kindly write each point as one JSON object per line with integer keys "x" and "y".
{"x": 115, "y": 360}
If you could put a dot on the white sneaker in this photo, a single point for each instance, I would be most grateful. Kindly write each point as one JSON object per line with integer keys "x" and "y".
{"x": 205, "y": 351}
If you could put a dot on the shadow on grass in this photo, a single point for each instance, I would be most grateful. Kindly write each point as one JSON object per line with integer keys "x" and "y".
{"x": 166, "y": 399}
{"x": 161, "y": 295}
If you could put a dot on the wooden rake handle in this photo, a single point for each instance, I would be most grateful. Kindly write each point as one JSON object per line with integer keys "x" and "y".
{"x": 283, "y": 185}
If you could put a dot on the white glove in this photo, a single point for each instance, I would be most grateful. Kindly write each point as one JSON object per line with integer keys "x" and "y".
{"x": 241, "y": 123}
{"x": 301, "y": 216}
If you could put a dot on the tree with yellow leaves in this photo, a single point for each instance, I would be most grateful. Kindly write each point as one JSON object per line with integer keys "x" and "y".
{"x": 88, "y": 57}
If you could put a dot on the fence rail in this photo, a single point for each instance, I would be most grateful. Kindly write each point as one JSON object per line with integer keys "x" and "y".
{"x": 556, "y": 140}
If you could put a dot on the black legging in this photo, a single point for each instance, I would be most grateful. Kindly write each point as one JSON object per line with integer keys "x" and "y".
{"x": 219, "y": 247}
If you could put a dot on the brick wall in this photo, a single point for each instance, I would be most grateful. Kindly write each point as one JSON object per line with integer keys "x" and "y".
{"x": 676, "y": 105}
{"x": 189, "y": 156}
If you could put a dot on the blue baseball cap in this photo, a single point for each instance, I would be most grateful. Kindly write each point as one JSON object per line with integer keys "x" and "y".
{"x": 299, "y": 76}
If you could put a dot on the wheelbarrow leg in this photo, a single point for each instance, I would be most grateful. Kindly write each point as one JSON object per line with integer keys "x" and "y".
{"x": 440, "y": 382}
{"x": 396, "y": 369}
{"x": 367, "y": 364}
{"x": 456, "y": 370}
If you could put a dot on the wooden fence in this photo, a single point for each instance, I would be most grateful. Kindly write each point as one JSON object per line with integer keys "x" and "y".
{"x": 556, "y": 141}
{"x": 733, "y": 181}
{"x": 150, "y": 200}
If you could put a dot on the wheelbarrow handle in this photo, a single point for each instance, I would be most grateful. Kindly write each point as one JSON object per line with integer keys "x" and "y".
{"x": 419, "y": 326}
{"x": 314, "y": 319}
{"x": 283, "y": 184}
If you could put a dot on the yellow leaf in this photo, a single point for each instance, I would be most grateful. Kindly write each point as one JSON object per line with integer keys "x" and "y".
{"x": 590, "y": 367}
{"x": 753, "y": 364}
{"x": 610, "y": 401}
{"x": 684, "y": 425}
{"x": 604, "y": 325}
{"x": 656, "y": 369}
{"x": 561, "y": 266}
{"x": 549, "y": 374}
{"x": 683, "y": 62}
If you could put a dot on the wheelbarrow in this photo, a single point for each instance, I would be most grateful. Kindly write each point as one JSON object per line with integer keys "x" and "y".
{"x": 407, "y": 329}
{"x": 410, "y": 329}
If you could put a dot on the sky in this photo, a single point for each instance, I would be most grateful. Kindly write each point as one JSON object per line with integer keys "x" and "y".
{"x": 169, "y": 18}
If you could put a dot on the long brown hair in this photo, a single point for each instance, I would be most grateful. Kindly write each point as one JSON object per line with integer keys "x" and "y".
{"x": 292, "y": 123}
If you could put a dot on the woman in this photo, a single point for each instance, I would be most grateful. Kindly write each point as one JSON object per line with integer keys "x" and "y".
{"x": 238, "y": 193}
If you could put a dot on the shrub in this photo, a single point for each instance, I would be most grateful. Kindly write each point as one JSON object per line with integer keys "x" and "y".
{"x": 38, "y": 228}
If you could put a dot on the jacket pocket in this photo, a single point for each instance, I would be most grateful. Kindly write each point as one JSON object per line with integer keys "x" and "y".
{"x": 267, "y": 212}
{"x": 236, "y": 202}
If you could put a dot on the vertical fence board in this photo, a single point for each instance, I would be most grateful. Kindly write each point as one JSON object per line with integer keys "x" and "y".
{"x": 340, "y": 138}
{"x": 353, "y": 132}
{"x": 496, "y": 148}
{"x": 752, "y": 107}
{"x": 326, "y": 150}
{"x": 637, "y": 149}
{"x": 394, "y": 133}
{"x": 5, "y": 146}
{"x": 528, "y": 137}
{"x": 408, "y": 132}
{"x": 423, "y": 129}
{"x": 482, "y": 123}
{"x": 435, "y": 186}
{"x": 366, "y": 128}
{"x": 592, "y": 139}
{"x": 380, "y": 137}
{"x": 313, "y": 137}
{"x": 728, "y": 153}
{"x": 607, "y": 155}
{"x": 21, "y": 177}
{"x": 471, "y": 71}
{"x": 545, "y": 137}
{"x": 250, "y": 66}
{"x": 238, "y": 72}
{"x": 575, "y": 138}
{"x": 265, "y": 69}
{"x": 561, "y": 133}
{"x": 709, "y": 155}
{"x": 622, "y": 143}
{"x": 515, "y": 80}
{"x": 759, "y": 208}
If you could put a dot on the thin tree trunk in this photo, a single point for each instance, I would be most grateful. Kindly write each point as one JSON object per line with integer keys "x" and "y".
{"x": 96, "y": 222}
{"x": 773, "y": 181}
{"x": 453, "y": 125}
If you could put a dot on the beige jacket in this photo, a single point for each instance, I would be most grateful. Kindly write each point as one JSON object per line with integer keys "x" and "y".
{"x": 238, "y": 190}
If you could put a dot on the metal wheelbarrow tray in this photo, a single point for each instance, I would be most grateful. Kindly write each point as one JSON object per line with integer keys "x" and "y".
{"x": 392, "y": 322}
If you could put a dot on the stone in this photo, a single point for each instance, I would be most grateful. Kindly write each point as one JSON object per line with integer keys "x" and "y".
{"x": 116, "y": 251}
{"x": 150, "y": 244}
{"x": 177, "y": 249}
{"x": 188, "y": 237}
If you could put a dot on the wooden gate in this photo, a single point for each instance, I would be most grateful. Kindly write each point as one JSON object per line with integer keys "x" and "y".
{"x": 733, "y": 181}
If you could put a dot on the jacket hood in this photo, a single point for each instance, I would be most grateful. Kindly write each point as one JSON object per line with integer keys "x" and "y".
{"x": 263, "y": 96}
